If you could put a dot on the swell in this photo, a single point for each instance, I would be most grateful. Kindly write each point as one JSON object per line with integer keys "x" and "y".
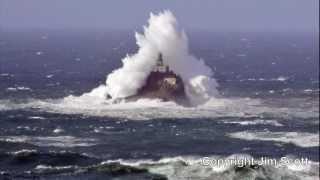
{"x": 71, "y": 165}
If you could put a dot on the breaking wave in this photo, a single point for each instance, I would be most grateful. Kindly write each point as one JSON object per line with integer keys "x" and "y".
{"x": 55, "y": 141}
{"x": 53, "y": 164}
{"x": 194, "y": 167}
{"x": 301, "y": 139}
{"x": 145, "y": 109}
{"x": 162, "y": 35}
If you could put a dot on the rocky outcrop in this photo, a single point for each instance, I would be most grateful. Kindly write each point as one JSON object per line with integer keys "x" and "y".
{"x": 164, "y": 84}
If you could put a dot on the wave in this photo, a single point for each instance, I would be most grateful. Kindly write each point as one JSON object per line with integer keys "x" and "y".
{"x": 162, "y": 35}
{"x": 301, "y": 139}
{"x": 194, "y": 167}
{"x": 145, "y": 109}
{"x": 51, "y": 141}
{"x": 256, "y": 122}
{"x": 236, "y": 166}
{"x": 19, "y": 88}
{"x": 33, "y": 164}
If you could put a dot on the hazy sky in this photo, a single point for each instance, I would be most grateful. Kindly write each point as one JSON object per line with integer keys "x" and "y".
{"x": 213, "y": 15}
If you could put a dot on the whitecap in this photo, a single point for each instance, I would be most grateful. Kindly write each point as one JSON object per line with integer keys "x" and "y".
{"x": 256, "y": 122}
{"x": 56, "y": 141}
{"x": 145, "y": 109}
{"x": 222, "y": 168}
{"x": 19, "y": 88}
{"x": 301, "y": 139}
{"x": 36, "y": 117}
{"x": 39, "y": 53}
{"x": 49, "y": 76}
{"x": 58, "y": 130}
{"x": 281, "y": 78}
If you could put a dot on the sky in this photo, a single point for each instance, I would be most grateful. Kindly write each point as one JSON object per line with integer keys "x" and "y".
{"x": 210, "y": 15}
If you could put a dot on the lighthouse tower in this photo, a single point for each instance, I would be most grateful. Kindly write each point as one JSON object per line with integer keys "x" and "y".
{"x": 160, "y": 67}
{"x": 162, "y": 83}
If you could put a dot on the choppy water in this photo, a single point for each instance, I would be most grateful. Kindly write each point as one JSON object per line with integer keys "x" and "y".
{"x": 268, "y": 108}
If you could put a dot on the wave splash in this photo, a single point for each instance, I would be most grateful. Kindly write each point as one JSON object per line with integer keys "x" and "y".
{"x": 162, "y": 35}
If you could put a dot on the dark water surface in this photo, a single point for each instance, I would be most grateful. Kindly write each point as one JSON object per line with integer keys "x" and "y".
{"x": 268, "y": 108}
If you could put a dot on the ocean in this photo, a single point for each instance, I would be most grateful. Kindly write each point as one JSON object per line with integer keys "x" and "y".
{"x": 267, "y": 109}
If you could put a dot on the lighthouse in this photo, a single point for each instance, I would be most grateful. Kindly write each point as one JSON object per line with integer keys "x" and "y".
{"x": 162, "y": 83}
{"x": 160, "y": 67}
